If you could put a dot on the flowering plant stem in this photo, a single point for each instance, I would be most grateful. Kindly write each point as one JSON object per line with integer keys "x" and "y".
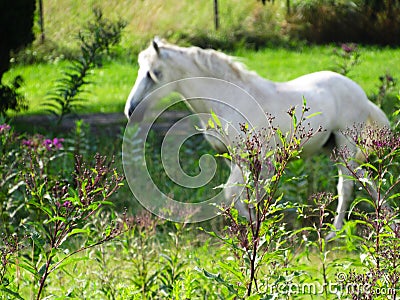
{"x": 377, "y": 174}
{"x": 262, "y": 156}
{"x": 64, "y": 209}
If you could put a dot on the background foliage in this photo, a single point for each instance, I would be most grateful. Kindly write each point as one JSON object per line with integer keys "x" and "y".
{"x": 242, "y": 23}
{"x": 70, "y": 230}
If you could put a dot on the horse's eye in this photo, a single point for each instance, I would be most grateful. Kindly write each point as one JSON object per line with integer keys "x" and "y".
{"x": 154, "y": 75}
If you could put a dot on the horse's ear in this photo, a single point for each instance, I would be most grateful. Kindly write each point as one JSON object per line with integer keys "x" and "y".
{"x": 155, "y": 46}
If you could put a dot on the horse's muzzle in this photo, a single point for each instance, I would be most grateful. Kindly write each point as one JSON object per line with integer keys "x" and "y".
{"x": 129, "y": 110}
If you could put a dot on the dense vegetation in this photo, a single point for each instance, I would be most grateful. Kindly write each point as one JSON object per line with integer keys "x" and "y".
{"x": 242, "y": 24}
{"x": 70, "y": 228}
{"x": 16, "y": 19}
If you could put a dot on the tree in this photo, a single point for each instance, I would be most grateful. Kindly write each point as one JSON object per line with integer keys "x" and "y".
{"x": 216, "y": 15}
{"x": 16, "y": 22}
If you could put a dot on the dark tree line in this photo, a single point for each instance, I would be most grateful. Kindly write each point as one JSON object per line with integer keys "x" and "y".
{"x": 16, "y": 23}
{"x": 370, "y": 22}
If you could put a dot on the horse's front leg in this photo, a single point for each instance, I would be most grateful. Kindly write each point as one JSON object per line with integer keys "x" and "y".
{"x": 345, "y": 190}
{"x": 234, "y": 191}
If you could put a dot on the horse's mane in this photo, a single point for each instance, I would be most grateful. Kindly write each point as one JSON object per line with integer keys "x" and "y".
{"x": 218, "y": 62}
{"x": 215, "y": 62}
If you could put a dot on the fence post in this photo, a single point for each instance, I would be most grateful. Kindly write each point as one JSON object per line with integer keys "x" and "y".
{"x": 216, "y": 15}
{"x": 41, "y": 21}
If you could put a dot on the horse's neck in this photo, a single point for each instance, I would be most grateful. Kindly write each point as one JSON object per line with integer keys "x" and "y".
{"x": 210, "y": 63}
{"x": 213, "y": 65}
{"x": 222, "y": 92}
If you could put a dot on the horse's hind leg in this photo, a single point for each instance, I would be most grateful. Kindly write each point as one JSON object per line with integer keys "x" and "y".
{"x": 345, "y": 190}
{"x": 345, "y": 185}
{"x": 234, "y": 192}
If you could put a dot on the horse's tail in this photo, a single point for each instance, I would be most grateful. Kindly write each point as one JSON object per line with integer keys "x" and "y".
{"x": 376, "y": 119}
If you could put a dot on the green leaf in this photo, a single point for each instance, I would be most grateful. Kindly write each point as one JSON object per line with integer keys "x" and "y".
{"x": 28, "y": 267}
{"x": 369, "y": 166}
{"x": 397, "y": 195}
{"x": 224, "y": 155}
{"x": 78, "y": 231}
{"x": 313, "y": 115}
{"x": 67, "y": 261}
{"x": 216, "y": 119}
{"x": 58, "y": 218}
{"x": 274, "y": 178}
{"x": 213, "y": 234}
{"x": 304, "y": 229}
{"x": 10, "y": 292}
{"x": 234, "y": 270}
{"x": 360, "y": 200}
{"x": 294, "y": 120}
{"x": 256, "y": 297}
{"x": 210, "y": 124}
{"x": 41, "y": 207}
{"x": 269, "y": 154}
{"x": 217, "y": 277}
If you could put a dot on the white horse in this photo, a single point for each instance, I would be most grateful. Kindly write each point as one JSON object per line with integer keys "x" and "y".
{"x": 340, "y": 102}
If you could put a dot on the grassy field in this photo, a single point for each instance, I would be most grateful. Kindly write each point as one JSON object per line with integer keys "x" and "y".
{"x": 145, "y": 19}
{"x": 157, "y": 259}
{"x": 112, "y": 82}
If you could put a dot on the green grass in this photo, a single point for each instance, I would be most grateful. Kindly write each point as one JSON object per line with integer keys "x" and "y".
{"x": 283, "y": 64}
{"x": 110, "y": 88}
{"x": 114, "y": 267}
{"x": 113, "y": 82}
{"x": 145, "y": 19}
{"x": 118, "y": 269}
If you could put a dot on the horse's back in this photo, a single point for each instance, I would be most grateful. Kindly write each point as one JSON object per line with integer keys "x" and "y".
{"x": 327, "y": 80}
{"x": 348, "y": 102}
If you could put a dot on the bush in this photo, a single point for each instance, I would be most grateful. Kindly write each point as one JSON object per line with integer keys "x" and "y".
{"x": 16, "y": 21}
{"x": 97, "y": 39}
{"x": 43, "y": 207}
{"x": 55, "y": 201}
{"x": 323, "y": 21}
{"x": 11, "y": 98}
{"x": 260, "y": 28}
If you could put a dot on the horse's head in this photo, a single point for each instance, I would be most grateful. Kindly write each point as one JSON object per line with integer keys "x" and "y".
{"x": 153, "y": 73}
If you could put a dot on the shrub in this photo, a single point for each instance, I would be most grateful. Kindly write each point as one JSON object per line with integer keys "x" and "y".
{"x": 369, "y": 22}
{"x": 10, "y": 97}
{"x": 256, "y": 28}
{"x": 379, "y": 177}
{"x": 263, "y": 239}
{"x": 96, "y": 40}
{"x": 16, "y": 21}
{"x": 267, "y": 255}
{"x": 43, "y": 208}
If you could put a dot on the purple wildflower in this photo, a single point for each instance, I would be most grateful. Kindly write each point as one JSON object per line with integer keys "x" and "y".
{"x": 348, "y": 48}
{"x": 58, "y": 143}
{"x": 55, "y": 143}
{"x": 48, "y": 144}
{"x": 4, "y": 127}
{"x": 379, "y": 144}
{"x": 67, "y": 204}
{"x": 27, "y": 143}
